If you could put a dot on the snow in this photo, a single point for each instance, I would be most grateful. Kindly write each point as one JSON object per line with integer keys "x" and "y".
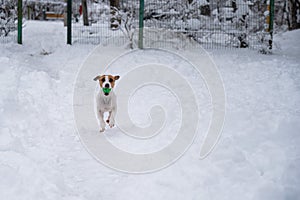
{"x": 202, "y": 2}
{"x": 41, "y": 156}
{"x": 194, "y": 24}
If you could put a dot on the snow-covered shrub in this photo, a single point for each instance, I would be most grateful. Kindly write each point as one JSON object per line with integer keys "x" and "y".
{"x": 98, "y": 10}
{"x": 240, "y": 18}
{"x": 126, "y": 21}
{"x": 8, "y": 17}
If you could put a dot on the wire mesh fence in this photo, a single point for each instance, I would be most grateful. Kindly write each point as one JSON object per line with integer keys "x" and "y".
{"x": 214, "y": 24}
{"x": 8, "y": 17}
{"x": 180, "y": 23}
{"x": 98, "y": 30}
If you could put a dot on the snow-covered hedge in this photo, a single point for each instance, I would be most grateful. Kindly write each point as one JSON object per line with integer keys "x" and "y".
{"x": 8, "y": 17}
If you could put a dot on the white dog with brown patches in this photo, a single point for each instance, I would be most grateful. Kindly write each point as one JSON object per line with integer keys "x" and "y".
{"x": 106, "y": 100}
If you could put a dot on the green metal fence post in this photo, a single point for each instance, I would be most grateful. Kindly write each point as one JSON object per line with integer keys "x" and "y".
{"x": 271, "y": 23}
{"x": 69, "y": 22}
{"x": 20, "y": 19}
{"x": 141, "y": 24}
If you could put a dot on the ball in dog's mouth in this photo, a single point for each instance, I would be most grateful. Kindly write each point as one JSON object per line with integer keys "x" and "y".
{"x": 106, "y": 91}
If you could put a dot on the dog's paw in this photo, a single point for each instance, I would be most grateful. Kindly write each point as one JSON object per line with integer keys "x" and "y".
{"x": 102, "y": 130}
{"x": 111, "y": 124}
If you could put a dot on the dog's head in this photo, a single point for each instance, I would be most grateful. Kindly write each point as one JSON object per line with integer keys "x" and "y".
{"x": 106, "y": 82}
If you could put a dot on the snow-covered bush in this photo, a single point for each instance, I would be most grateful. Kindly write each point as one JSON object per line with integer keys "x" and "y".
{"x": 8, "y": 17}
{"x": 126, "y": 20}
{"x": 239, "y": 18}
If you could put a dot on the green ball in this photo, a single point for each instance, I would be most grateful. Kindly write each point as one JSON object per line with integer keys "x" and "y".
{"x": 106, "y": 90}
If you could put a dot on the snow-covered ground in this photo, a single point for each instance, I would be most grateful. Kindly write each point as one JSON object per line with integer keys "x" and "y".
{"x": 41, "y": 156}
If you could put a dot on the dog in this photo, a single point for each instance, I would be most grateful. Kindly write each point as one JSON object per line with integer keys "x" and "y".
{"x": 106, "y": 100}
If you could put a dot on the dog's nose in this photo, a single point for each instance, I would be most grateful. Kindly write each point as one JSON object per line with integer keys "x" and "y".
{"x": 106, "y": 85}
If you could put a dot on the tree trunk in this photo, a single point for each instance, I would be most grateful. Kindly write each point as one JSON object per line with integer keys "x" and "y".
{"x": 65, "y": 14}
{"x": 293, "y": 21}
{"x": 85, "y": 13}
{"x": 114, "y": 19}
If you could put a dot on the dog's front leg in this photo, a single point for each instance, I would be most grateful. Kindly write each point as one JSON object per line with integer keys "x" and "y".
{"x": 101, "y": 120}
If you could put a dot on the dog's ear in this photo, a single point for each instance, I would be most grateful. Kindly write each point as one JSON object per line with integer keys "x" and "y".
{"x": 97, "y": 78}
{"x": 116, "y": 77}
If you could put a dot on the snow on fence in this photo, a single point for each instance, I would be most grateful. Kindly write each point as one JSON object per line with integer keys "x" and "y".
{"x": 213, "y": 24}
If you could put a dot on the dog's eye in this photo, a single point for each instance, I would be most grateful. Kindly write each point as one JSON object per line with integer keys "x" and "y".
{"x": 111, "y": 80}
{"x": 103, "y": 80}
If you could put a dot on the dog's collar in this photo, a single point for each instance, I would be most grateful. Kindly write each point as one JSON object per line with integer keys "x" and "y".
{"x": 106, "y": 90}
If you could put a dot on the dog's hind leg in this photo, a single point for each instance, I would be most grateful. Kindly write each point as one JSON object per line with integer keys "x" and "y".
{"x": 112, "y": 117}
{"x": 108, "y": 118}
